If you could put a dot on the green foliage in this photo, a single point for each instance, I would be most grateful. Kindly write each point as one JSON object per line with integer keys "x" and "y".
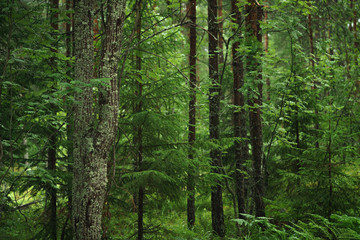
{"x": 311, "y": 191}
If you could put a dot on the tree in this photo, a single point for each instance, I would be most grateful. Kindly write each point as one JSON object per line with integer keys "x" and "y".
{"x": 52, "y": 225}
{"x": 192, "y": 114}
{"x": 138, "y": 141}
{"x": 95, "y": 127}
{"x": 217, "y": 212}
{"x": 253, "y": 17}
{"x": 239, "y": 115}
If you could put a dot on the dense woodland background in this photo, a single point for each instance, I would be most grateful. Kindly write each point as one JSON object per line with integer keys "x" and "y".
{"x": 151, "y": 119}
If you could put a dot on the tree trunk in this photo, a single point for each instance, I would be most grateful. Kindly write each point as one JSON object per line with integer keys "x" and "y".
{"x": 94, "y": 131}
{"x": 330, "y": 180}
{"x": 217, "y": 212}
{"x": 239, "y": 115}
{"x": 138, "y": 135}
{"x": 69, "y": 118}
{"x": 52, "y": 225}
{"x": 51, "y": 164}
{"x": 221, "y": 41}
{"x": 312, "y": 65}
{"x": 356, "y": 41}
{"x": 253, "y": 17}
{"x": 192, "y": 115}
{"x": 266, "y": 38}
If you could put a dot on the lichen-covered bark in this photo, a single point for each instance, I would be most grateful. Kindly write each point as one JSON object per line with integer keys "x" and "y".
{"x": 94, "y": 133}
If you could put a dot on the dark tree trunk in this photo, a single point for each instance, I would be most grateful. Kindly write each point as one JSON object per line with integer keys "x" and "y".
{"x": 217, "y": 212}
{"x": 329, "y": 212}
{"x": 253, "y": 17}
{"x": 312, "y": 65}
{"x": 221, "y": 40}
{"x": 266, "y": 38}
{"x": 239, "y": 115}
{"x": 52, "y": 225}
{"x": 52, "y": 191}
{"x": 138, "y": 138}
{"x": 69, "y": 119}
{"x": 192, "y": 115}
{"x": 356, "y": 40}
{"x": 94, "y": 131}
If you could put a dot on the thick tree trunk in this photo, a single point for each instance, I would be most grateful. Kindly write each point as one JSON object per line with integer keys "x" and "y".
{"x": 217, "y": 212}
{"x": 192, "y": 115}
{"x": 239, "y": 115}
{"x": 95, "y": 132}
{"x": 253, "y": 17}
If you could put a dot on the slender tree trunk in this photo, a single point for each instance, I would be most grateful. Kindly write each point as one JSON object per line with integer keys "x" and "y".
{"x": 138, "y": 137}
{"x": 356, "y": 42}
{"x": 330, "y": 172}
{"x": 354, "y": 26}
{"x": 297, "y": 137}
{"x": 253, "y": 17}
{"x": 95, "y": 131}
{"x": 192, "y": 115}
{"x": 217, "y": 212}
{"x": 239, "y": 115}
{"x": 312, "y": 64}
{"x": 221, "y": 40}
{"x": 266, "y": 38}
{"x": 52, "y": 191}
{"x": 51, "y": 165}
{"x": 311, "y": 42}
{"x": 70, "y": 110}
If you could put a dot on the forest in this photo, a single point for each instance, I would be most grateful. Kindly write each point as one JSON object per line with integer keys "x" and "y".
{"x": 179, "y": 119}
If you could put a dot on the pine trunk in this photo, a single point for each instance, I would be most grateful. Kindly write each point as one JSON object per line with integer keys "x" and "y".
{"x": 217, "y": 212}
{"x": 192, "y": 115}
{"x": 51, "y": 164}
{"x": 138, "y": 137}
{"x": 266, "y": 49}
{"x": 239, "y": 115}
{"x": 253, "y": 17}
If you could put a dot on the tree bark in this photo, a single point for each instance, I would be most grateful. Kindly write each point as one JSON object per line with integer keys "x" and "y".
{"x": 253, "y": 17}
{"x": 266, "y": 39}
{"x": 356, "y": 41}
{"x": 217, "y": 212}
{"x": 52, "y": 225}
{"x": 239, "y": 115}
{"x": 312, "y": 65}
{"x": 51, "y": 164}
{"x": 95, "y": 131}
{"x": 221, "y": 40}
{"x": 192, "y": 115}
{"x": 138, "y": 137}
